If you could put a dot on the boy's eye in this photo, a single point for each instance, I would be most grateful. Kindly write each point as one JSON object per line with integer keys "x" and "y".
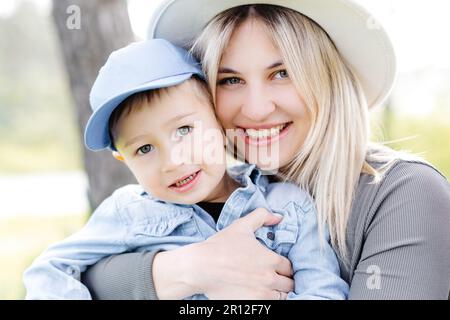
{"x": 184, "y": 130}
{"x": 281, "y": 74}
{"x": 145, "y": 149}
{"x": 230, "y": 81}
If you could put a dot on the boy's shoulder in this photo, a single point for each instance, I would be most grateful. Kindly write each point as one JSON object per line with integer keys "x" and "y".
{"x": 134, "y": 203}
{"x": 130, "y": 191}
{"x": 130, "y": 194}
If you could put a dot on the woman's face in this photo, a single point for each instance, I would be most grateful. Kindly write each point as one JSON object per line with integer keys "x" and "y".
{"x": 256, "y": 98}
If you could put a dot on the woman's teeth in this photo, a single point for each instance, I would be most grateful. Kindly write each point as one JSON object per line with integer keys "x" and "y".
{"x": 265, "y": 133}
{"x": 183, "y": 182}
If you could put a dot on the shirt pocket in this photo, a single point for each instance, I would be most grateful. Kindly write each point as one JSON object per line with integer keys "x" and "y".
{"x": 182, "y": 224}
{"x": 279, "y": 238}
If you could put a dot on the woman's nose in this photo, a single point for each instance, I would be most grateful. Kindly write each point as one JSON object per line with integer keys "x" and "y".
{"x": 257, "y": 105}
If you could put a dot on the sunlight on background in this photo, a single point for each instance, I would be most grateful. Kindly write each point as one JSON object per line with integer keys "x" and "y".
{"x": 42, "y": 184}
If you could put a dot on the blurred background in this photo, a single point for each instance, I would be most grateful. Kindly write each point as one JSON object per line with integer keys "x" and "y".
{"x": 49, "y": 59}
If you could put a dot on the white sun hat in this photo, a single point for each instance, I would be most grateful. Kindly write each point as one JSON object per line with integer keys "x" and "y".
{"x": 361, "y": 40}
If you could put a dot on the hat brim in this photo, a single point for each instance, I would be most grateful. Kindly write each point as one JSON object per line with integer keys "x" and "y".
{"x": 362, "y": 41}
{"x": 96, "y": 135}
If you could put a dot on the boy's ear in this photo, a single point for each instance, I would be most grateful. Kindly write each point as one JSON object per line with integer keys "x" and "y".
{"x": 118, "y": 156}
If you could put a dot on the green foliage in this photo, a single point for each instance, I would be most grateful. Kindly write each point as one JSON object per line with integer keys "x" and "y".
{"x": 427, "y": 136}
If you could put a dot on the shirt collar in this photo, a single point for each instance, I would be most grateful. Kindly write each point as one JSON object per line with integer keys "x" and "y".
{"x": 247, "y": 174}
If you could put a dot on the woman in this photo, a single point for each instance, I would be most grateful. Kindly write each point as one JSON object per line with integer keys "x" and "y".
{"x": 311, "y": 81}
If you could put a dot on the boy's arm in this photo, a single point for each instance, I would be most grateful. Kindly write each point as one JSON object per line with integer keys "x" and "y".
{"x": 55, "y": 274}
{"x": 316, "y": 268}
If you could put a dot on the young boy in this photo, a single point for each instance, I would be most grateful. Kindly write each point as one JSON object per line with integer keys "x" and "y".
{"x": 152, "y": 108}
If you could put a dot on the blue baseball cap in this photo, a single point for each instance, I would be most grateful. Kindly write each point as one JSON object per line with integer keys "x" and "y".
{"x": 140, "y": 66}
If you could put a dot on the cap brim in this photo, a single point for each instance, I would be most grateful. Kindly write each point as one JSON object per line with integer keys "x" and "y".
{"x": 96, "y": 135}
{"x": 362, "y": 42}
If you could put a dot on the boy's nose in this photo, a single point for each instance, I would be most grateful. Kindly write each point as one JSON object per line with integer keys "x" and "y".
{"x": 169, "y": 167}
{"x": 168, "y": 164}
{"x": 172, "y": 159}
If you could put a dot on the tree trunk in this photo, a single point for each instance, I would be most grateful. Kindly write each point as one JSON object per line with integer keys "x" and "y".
{"x": 103, "y": 27}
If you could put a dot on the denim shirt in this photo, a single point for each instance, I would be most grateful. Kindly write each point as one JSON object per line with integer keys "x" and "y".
{"x": 132, "y": 220}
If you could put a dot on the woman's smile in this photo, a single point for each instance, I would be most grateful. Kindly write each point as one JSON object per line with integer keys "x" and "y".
{"x": 265, "y": 134}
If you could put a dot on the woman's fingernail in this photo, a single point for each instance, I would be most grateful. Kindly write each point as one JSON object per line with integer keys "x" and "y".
{"x": 277, "y": 215}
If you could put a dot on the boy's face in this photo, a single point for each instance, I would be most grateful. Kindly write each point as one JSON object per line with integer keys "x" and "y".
{"x": 174, "y": 146}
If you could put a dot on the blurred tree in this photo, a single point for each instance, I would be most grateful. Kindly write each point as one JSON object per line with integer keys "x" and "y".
{"x": 103, "y": 27}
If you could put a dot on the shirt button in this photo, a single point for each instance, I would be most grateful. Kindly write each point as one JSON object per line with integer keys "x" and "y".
{"x": 270, "y": 235}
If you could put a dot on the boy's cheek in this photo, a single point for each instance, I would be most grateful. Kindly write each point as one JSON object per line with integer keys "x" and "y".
{"x": 215, "y": 156}
{"x": 145, "y": 176}
{"x": 150, "y": 184}
{"x": 212, "y": 148}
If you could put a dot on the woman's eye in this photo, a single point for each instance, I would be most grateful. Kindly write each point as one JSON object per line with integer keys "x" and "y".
{"x": 282, "y": 74}
{"x": 230, "y": 81}
{"x": 184, "y": 130}
{"x": 145, "y": 149}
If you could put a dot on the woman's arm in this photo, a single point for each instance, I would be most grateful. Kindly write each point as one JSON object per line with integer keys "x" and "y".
{"x": 406, "y": 252}
{"x": 232, "y": 264}
{"x": 122, "y": 277}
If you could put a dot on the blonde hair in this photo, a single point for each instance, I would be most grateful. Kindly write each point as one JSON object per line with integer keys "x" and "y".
{"x": 334, "y": 153}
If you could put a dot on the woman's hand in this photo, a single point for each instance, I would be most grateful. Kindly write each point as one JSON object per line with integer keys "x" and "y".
{"x": 232, "y": 264}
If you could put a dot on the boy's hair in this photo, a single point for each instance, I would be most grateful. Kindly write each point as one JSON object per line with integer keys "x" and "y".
{"x": 138, "y": 100}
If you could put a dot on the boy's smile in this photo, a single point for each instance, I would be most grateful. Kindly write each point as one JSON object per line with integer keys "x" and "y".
{"x": 186, "y": 183}
{"x": 174, "y": 146}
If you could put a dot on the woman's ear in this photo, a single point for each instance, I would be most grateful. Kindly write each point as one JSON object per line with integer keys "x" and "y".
{"x": 118, "y": 156}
